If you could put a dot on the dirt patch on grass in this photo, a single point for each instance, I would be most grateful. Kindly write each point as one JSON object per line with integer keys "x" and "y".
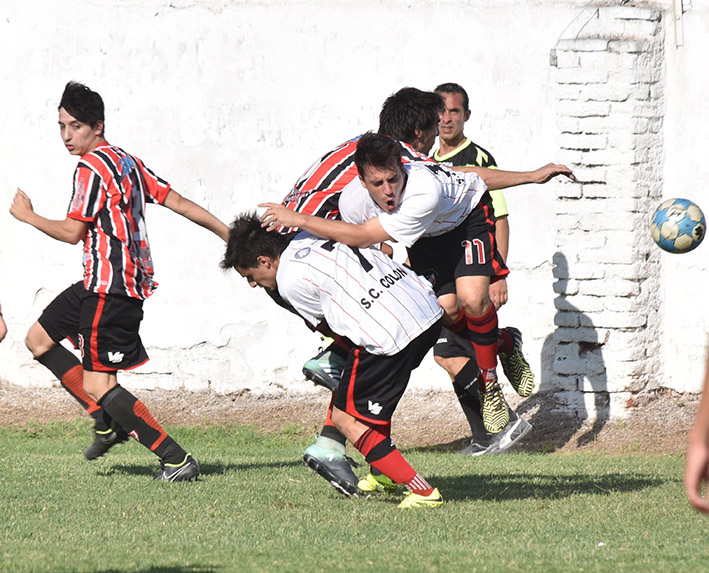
{"x": 657, "y": 423}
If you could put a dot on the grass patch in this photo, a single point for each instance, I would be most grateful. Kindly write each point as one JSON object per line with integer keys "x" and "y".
{"x": 258, "y": 508}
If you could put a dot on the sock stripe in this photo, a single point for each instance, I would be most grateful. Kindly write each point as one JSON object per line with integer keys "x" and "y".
{"x": 419, "y": 485}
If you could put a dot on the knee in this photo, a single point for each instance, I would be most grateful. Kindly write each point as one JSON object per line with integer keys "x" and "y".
{"x": 451, "y": 364}
{"x": 443, "y": 362}
{"x": 476, "y": 306}
{"x": 37, "y": 340}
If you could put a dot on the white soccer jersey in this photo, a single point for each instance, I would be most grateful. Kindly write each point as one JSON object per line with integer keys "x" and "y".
{"x": 361, "y": 293}
{"x": 434, "y": 201}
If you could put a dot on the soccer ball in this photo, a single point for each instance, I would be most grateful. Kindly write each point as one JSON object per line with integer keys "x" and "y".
{"x": 678, "y": 226}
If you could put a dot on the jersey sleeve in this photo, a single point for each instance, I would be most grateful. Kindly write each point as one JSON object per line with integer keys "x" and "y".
{"x": 156, "y": 187}
{"x": 499, "y": 204}
{"x": 87, "y": 197}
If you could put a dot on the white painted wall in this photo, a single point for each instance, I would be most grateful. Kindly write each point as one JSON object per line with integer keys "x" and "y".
{"x": 686, "y": 302}
{"x": 231, "y": 101}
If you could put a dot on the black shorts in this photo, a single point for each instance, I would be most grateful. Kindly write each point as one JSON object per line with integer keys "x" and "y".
{"x": 452, "y": 345}
{"x": 372, "y": 384}
{"x": 468, "y": 250}
{"x": 104, "y": 327}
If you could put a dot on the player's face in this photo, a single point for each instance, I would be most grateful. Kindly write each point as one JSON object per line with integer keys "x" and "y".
{"x": 79, "y": 138}
{"x": 262, "y": 275}
{"x": 453, "y": 118}
{"x": 384, "y": 185}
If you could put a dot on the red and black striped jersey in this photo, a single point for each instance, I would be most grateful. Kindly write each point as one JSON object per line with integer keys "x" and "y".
{"x": 317, "y": 191}
{"x": 111, "y": 189}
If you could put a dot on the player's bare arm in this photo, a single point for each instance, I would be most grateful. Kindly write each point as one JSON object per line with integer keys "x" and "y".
{"x": 696, "y": 473}
{"x": 67, "y": 231}
{"x": 364, "y": 235}
{"x": 498, "y": 289}
{"x": 190, "y": 210}
{"x": 500, "y": 179}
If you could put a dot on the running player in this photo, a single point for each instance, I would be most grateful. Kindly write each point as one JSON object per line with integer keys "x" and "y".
{"x": 390, "y": 315}
{"x": 102, "y": 313}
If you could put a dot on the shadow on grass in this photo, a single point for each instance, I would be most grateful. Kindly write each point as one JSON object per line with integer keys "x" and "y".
{"x": 206, "y": 469}
{"x": 167, "y": 569}
{"x": 518, "y": 486}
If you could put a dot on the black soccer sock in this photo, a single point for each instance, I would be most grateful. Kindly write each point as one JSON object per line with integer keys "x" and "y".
{"x": 67, "y": 368}
{"x": 465, "y": 387}
{"x": 466, "y": 390}
{"x": 467, "y": 377}
{"x": 334, "y": 434}
{"x": 135, "y": 418}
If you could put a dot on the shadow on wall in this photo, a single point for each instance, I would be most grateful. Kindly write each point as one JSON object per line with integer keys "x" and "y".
{"x": 574, "y": 386}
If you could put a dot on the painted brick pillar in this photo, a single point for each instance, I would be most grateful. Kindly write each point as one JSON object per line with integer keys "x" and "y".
{"x": 609, "y": 88}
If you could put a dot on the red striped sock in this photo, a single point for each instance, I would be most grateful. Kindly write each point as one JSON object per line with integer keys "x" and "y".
{"x": 381, "y": 453}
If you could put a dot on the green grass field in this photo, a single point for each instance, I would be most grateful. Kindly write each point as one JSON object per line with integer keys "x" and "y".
{"x": 258, "y": 508}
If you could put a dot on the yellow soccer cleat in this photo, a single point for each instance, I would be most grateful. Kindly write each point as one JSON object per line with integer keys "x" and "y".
{"x": 496, "y": 414}
{"x": 412, "y": 499}
{"x": 376, "y": 484}
{"x": 516, "y": 367}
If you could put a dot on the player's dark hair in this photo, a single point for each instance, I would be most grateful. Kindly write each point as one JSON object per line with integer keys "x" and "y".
{"x": 407, "y": 110}
{"x": 379, "y": 151}
{"x": 248, "y": 240}
{"x": 453, "y": 88}
{"x": 82, "y": 103}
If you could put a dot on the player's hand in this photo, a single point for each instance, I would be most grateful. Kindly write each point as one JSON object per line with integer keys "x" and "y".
{"x": 551, "y": 170}
{"x": 276, "y": 215}
{"x": 696, "y": 475}
{"x": 3, "y": 328}
{"x": 498, "y": 293}
{"x": 21, "y": 207}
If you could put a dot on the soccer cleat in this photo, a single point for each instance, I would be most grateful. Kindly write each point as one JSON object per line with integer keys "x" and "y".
{"x": 334, "y": 467}
{"x": 188, "y": 470}
{"x": 376, "y": 484}
{"x": 500, "y": 443}
{"x": 104, "y": 442}
{"x": 477, "y": 449}
{"x": 412, "y": 499}
{"x": 496, "y": 414}
{"x": 325, "y": 369}
{"x": 513, "y": 433}
{"x": 516, "y": 367}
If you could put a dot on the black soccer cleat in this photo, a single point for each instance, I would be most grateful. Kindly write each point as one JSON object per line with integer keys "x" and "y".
{"x": 325, "y": 369}
{"x": 188, "y": 470}
{"x": 334, "y": 467}
{"x": 104, "y": 442}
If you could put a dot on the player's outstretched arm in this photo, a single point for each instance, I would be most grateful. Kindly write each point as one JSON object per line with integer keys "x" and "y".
{"x": 696, "y": 473}
{"x": 67, "y": 231}
{"x": 500, "y": 179}
{"x": 369, "y": 233}
{"x": 190, "y": 210}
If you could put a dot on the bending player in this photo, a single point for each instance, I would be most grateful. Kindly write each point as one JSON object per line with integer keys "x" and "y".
{"x": 103, "y": 312}
{"x": 450, "y": 214}
{"x": 390, "y": 315}
{"x": 412, "y": 117}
